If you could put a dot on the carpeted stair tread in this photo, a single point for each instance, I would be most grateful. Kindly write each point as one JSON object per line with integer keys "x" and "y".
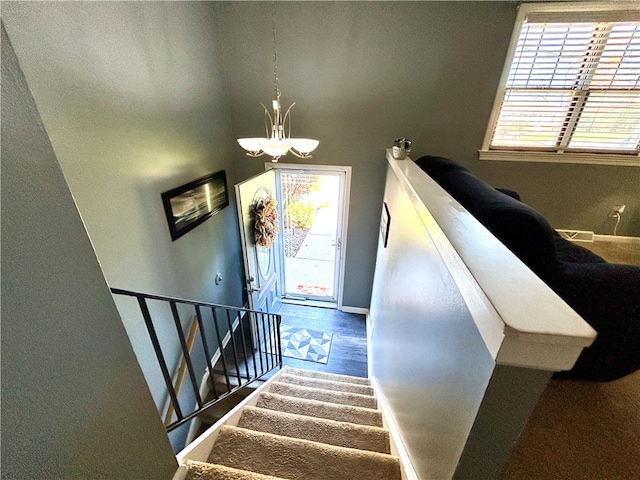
{"x": 343, "y": 398}
{"x": 299, "y": 459}
{"x": 319, "y": 430}
{"x": 318, "y": 409}
{"x": 326, "y": 384}
{"x": 334, "y": 377}
{"x": 209, "y": 471}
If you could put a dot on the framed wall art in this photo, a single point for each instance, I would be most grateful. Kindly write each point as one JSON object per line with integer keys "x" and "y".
{"x": 188, "y": 206}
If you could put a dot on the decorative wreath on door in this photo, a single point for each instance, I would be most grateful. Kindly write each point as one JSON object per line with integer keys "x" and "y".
{"x": 265, "y": 224}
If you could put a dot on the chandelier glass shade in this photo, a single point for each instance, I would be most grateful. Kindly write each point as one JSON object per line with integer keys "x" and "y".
{"x": 278, "y": 141}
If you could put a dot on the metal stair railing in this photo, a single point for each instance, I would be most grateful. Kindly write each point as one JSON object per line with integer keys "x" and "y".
{"x": 265, "y": 350}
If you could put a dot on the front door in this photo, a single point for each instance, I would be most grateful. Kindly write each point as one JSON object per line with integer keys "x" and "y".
{"x": 260, "y": 256}
{"x": 313, "y": 201}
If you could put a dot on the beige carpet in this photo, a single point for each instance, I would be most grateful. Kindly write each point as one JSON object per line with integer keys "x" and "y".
{"x": 320, "y": 430}
{"x": 328, "y": 376}
{"x": 326, "y": 384}
{"x": 311, "y": 426}
{"x": 321, "y": 395}
{"x": 314, "y": 408}
{"x": 298, "y": 459}
{"x": 208, "y": 471}
{"x": 581, "y": 431}
{"x": 615, "y": 252}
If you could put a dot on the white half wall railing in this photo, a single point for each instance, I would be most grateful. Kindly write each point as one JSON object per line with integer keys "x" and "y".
{"x": 464, "y": 337}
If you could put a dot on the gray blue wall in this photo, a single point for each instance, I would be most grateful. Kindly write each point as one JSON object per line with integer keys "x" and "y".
{"x": 132, "y": 98}
{"x": 74, "y": 400}
{"x": 154, "y": 94}
{"x": 363, "y": 74}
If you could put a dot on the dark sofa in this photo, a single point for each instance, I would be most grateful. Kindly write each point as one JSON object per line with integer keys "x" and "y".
{"x": 605, "y": 295}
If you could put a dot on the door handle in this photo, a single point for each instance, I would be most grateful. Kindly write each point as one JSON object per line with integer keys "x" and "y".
{"x": 249, "y": 288}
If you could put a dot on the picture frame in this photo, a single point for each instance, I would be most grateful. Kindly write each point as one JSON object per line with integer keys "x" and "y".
{"x": 189, "y": 205}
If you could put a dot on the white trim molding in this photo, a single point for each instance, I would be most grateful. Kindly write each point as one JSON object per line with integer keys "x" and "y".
{"x": 360, "y": 310}
{"x": 619, "y": 160}
{"x": 344, "y": 227}
{"x": 397, "y": 445}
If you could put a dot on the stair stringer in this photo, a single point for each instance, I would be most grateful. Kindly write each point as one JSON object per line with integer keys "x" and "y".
{"x": 199, "y": 449}
{"x": 396, "y": 444}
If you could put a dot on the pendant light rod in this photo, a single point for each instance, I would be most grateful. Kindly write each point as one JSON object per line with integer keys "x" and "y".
{"x": 277, "y": 143}
{"x": 275, "y": 50}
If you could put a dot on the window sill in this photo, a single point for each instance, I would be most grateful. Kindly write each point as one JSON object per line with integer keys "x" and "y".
{"x": 550, "y": 157}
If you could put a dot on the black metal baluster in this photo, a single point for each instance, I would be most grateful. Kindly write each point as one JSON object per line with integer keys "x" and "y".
{"x": 233, "y": 347}
{"x": 267, "y": 341}
{"x": 203, "y": 337}
{"x": 243, "y": 341}
{"x": 269, "y": 316}
{"x": 185, "y": 353}
{"x": 278, "y": 323}
{"x": 156, "y": 347}
{"x": 255, "y": 316}
{"x": 221, "y": 347}
{"x": 253, "y": 350}
{"x": 263, "y": 333}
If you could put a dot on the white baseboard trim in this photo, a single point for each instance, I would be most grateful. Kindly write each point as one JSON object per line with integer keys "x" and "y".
{"x": 590, "y": 237}
{"x": 360, "y": 310}
{"x": 576, "y": 235}
{"x": 615, "y": 238}
{"x": 397, "y": 446}
{"x": 181, "y": 473}
{"x": 369, "y": 327}
{"x": 310, "y": 303}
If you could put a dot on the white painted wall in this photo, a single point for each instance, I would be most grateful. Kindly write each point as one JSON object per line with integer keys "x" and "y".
{"x": 74, "y": 401}
{"x": 428, "y": 357}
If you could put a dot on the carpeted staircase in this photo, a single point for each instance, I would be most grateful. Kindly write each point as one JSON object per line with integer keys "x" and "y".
{"x": 304, "y": 425}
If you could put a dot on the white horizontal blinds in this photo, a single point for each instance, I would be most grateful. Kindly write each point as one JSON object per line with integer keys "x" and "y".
{"x": 610, "y": 119}
{"x": 572, "y": 87}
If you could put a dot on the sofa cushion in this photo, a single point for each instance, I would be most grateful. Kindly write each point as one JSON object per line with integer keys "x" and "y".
{"x": 606, "y": 296}
{"x": 572, "y": 253}
{"x": 511, "y": 193}
{"x": 519, "y": 227}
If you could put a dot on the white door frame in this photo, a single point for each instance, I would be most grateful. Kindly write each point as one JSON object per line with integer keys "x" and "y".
{"x": 346, "y": 170}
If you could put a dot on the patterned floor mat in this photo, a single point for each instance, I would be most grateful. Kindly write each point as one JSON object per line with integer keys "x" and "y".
{"x": 305, "y": 344}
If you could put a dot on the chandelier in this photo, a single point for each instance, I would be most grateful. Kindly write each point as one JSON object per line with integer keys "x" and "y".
{"x": 278, "y": 141}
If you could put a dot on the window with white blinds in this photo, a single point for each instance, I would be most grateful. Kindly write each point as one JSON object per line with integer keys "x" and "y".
{"x": 572, "y": 87}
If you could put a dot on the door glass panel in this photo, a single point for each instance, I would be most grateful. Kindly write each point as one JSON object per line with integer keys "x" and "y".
{"x": 264, "y": 260}
{"x": 310, "y": 206}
